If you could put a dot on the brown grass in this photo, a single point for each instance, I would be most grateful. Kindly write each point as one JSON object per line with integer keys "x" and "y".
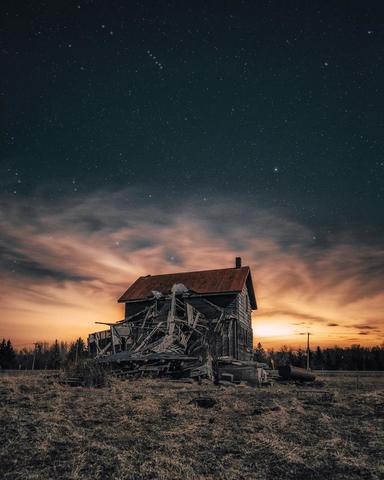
{"x": 147, "y": 429}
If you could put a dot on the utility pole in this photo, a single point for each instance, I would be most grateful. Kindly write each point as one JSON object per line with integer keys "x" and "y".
{"x": 308, "y": 350}
{"x": 34, "y": 355}
{"x": 77, "y": 351}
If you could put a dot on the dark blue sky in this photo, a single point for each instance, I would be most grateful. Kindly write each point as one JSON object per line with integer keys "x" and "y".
{"x": 151, "y": 137}
{"x": 279, "y": 104}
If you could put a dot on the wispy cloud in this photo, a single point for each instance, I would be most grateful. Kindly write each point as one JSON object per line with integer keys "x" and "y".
{"x": 64, "y": 264}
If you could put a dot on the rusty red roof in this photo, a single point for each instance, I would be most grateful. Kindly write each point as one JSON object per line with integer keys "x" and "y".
{"x": 224, "y": 280}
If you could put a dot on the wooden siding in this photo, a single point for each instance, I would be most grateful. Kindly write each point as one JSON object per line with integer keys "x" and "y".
{"x": 237, "y": 338}
{"x": 244, "y": 333}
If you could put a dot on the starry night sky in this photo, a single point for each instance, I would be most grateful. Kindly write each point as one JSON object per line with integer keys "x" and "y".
{"x": 262, "y": 118}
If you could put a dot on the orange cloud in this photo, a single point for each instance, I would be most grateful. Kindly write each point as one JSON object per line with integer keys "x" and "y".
{"x": 63, "y": 266}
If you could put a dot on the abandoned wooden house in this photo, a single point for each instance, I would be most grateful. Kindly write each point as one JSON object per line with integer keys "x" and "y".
{"x": 183, "y": 316}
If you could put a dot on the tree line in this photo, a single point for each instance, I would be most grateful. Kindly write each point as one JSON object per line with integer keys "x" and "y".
{"x": 42, "y": 356}
{"x": 56, "y": 355}
{"x": 354, "y": 357}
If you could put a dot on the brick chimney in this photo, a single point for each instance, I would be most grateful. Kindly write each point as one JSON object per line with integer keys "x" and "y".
{"x": 238, "y": 262}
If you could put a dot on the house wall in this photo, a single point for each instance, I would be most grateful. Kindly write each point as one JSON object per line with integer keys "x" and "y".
{"x": 244, "y": 330}
{"x": 237, "y": 338}
{"x": 134, "y": 307}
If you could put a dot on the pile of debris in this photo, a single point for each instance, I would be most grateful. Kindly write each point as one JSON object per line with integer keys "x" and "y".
{"x": 168, "y": 337}
{"x": 177, "y": 336}
{"x": 253, "y": 373}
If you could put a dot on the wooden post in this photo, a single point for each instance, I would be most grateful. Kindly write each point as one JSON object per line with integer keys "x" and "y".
{"x": 235, "y": 339}
{"x": 308, "y": 363}
{"x": 113, "y": 339}
{"x": 34, "y": 357}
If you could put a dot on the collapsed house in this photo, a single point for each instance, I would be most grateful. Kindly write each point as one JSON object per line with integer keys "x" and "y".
{"x": 181, "y": 324}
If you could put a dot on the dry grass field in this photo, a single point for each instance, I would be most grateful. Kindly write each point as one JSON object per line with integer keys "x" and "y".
{"x": 148, "y": 429}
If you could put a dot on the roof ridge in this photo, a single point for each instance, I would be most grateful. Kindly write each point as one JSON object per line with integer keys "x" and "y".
{"x": 194, "y": 271}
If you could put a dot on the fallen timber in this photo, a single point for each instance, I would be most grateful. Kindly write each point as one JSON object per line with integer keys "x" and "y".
{"x": 289, "y": 372}
{"x": 153, "y": 364}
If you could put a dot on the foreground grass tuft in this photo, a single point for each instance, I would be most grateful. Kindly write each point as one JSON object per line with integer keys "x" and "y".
{"x": 86, "y": 373}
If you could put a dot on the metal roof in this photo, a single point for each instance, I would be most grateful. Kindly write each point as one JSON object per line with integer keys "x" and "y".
{"x": 207, "y": 282}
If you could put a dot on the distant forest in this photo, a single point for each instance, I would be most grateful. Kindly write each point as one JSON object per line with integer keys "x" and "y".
{"x": 56, "y": 355}
{"x": 44, "y": 355}
{"x": 354, "y": 357}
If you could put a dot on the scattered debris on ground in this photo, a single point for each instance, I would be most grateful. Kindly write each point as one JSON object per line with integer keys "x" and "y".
{"x": 204, "y": 402}
{"x": 315, "y": 395}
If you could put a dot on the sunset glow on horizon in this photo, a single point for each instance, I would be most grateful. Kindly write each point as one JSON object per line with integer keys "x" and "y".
{"x": 268, "y": 330}
{"x": 67, "y": 277}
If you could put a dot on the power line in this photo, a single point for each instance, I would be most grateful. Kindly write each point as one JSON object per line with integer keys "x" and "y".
{"x": 316, "y": 333}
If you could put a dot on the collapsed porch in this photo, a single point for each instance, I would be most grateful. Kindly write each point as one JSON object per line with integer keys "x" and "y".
{"x": 180, "y": 334}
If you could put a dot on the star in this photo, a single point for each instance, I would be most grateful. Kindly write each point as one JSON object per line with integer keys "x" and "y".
{"x": 154, "y": 58}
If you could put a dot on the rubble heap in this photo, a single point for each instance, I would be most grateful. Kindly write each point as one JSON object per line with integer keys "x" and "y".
{"x": 174, "y": 335}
